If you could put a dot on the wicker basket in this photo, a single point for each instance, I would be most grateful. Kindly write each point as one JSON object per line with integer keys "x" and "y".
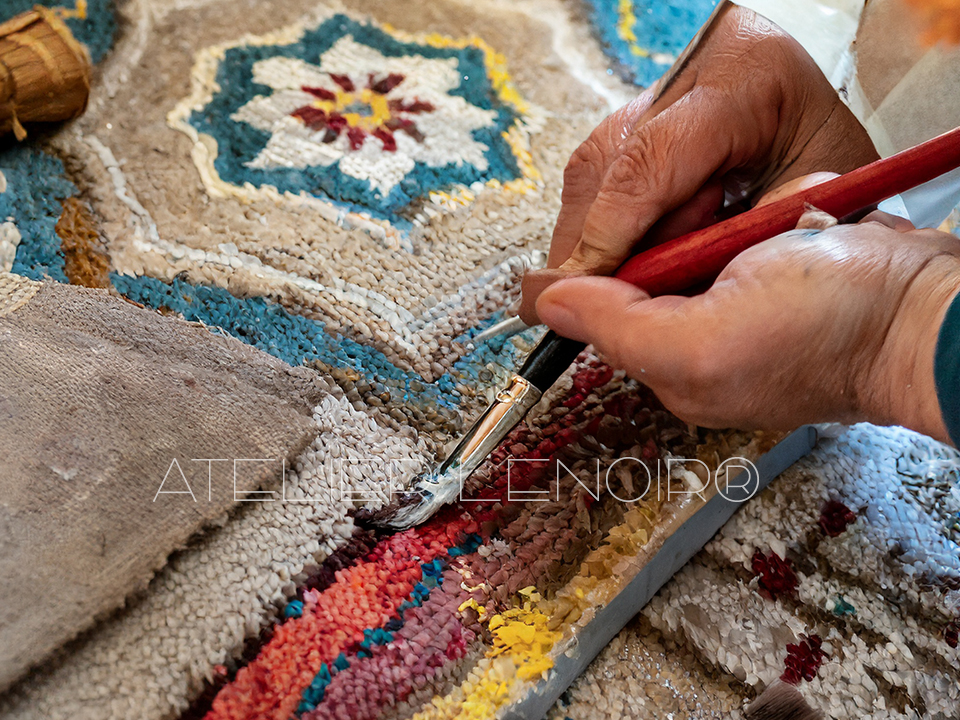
{"x": 44, "y": 71}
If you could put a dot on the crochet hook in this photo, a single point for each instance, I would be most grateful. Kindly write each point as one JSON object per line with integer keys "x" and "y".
{"x": 670, "y": 268}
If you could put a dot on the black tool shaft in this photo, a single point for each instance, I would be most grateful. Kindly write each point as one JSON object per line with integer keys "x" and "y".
{"x": 549, "y": 359}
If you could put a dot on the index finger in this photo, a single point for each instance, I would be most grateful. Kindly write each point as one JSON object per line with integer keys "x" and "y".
{"x": 585, "y": 172}
{"x": 663, "y": 164}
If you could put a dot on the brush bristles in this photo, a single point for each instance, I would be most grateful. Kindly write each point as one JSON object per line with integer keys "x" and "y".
{"x": 423, "y": 500}
{"x": 781, "y": 701}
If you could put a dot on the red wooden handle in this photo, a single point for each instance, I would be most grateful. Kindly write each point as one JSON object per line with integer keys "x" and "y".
{"x": 699, "y": 256}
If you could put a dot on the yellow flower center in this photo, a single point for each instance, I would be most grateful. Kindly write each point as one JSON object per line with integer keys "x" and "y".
{"x": 366, "y": 109}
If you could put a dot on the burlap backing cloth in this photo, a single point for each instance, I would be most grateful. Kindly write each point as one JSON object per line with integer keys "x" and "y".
{"x": 98, "y": 398}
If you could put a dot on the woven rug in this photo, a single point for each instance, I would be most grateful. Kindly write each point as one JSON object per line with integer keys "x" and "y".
{"x": 353, "y": 191}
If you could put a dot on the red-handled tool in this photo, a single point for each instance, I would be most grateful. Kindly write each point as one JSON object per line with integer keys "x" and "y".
{"x": 699, "y": 256}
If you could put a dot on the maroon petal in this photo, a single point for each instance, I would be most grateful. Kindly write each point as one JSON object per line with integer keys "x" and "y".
{"x": 319, "y": 92}
{"x": 803, "y": 660}
{"x": 384, "y": 85}
{"x": 419, "y": 106}
{"x": 337, "y": 122}
{"x": 835, "y": 517}
{"x": 343, "y": 81}
{"x": 415, "y": 107}
{"x": 357, "y": 136}
{"x": 775, "y": 575}
{"x": 313, "y": 118}
{"x": 404, "y": 125}
{"x": 387, "y": 138}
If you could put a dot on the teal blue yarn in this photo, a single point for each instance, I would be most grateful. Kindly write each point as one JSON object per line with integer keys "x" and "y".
{"x": 296, "y": 339}
{"x": 271, "y": 328}
{"x": 468, "y": 546}
{"x": 842, "y": 608}
{"x": 313, "y": 694}
{"x": 431, "y": 577}
{"x": 661, "y": 27}
{"x": 97, "y": 30}
{"x": 294, "y": 609}
{"x": 433, "y": 571}
{"x": 946, "y": 370}
{"x": 33, "y": 201}
{"x": 239, "y": 143}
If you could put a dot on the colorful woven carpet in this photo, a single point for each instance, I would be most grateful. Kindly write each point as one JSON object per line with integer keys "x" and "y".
{"x": 644, "y": 37}
{"x": 356, "y": 189}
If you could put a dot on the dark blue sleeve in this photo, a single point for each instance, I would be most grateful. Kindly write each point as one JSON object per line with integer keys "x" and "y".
{"x": 946, "y": 370}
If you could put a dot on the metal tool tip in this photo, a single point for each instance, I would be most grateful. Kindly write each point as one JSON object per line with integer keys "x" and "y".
{"x": 505, "y": 328}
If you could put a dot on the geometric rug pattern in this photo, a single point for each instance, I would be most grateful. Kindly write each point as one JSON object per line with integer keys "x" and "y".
{"x": 355, "y": 189}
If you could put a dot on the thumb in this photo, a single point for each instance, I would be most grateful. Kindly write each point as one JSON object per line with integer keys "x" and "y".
{"x": 620, "y": 320}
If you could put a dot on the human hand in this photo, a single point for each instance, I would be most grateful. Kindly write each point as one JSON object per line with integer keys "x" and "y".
{"x": 750, "y": 111}
{"x": 810, "y": 326}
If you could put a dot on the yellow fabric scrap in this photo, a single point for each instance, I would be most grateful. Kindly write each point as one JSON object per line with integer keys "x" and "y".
{"x": 473, "y": 604}
{"x": 625, "y": 24}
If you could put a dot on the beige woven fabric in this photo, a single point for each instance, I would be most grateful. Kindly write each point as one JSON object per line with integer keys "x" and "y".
{"x": 98, "y": 397}
{"x": 15, "y": 291}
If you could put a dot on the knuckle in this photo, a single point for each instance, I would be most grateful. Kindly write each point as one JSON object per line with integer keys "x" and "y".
{"x": 588, "y": 157}
{"x": 594, "y": 254}
{"x": 625, "y": 171}
{"x": 636, "y": 163}
{"x": 584, "y": 172}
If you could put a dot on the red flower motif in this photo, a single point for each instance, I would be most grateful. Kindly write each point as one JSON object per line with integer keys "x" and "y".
{"x": 803, "y": 660}
{"x": 776, "y": 575}
{"x": 380, "y": 122}
{"x": 835, "y": 517}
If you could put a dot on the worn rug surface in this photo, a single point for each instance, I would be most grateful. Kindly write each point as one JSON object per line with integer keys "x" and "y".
{"x": 238, "y": 297}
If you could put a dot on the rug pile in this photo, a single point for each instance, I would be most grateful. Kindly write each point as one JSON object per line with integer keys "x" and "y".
{"x": 299, "y": 217}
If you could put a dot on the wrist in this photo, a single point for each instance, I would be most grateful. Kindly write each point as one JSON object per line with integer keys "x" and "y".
{"x": 899, "y": 387}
